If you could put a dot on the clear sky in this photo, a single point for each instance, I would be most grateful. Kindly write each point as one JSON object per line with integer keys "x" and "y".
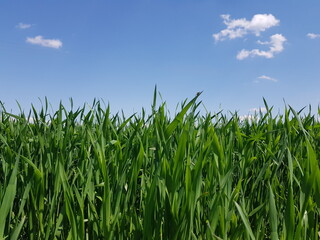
{"x": 236, "y": 52}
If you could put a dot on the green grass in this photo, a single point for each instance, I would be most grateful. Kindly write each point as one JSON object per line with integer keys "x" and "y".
{"x": 87, "y": 174}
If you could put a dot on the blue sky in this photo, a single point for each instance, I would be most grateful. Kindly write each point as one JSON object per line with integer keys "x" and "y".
{"x": 236, "y": 52}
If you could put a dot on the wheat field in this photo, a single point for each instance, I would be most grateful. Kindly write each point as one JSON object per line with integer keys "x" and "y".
{"x": 88, "y": 174}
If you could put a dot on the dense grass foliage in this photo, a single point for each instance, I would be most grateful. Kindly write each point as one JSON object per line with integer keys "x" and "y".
{"x": 84, "y": 174}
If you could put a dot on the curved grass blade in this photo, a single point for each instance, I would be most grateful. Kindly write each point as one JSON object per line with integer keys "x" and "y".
{"x": 179, "y": 118}
{"x": 245, "y": 220}
{"x": 7, "y": 201}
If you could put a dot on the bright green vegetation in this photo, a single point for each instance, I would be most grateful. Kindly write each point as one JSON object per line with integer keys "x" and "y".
{"x": 85, "y": 174}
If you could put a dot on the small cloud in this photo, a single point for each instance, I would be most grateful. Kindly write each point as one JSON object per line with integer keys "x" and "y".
{"x": 268, "y": 78}
{"x": 237, "y": 28}
{"x": 313, "y": 35}
{"x": 23, "y": 26}
{"x": 243, "y": 54}
{"x": 39, "y": 40}
{"x": 248, "y": 117}
{"x": 252, "y": 115}
{"x": 261, "y": 109}
{"x": 276, "y": 46}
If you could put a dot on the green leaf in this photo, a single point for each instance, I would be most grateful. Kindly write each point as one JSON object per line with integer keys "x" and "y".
{"x": 179, "y": 118}
{"x": 273, "y": 215}
{"x": 17, "y": 230}
{"x": 8, "y": 199}
{"x": 245, "y": 220}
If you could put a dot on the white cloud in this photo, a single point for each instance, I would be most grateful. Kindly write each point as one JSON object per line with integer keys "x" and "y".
{"x": 276, "y": 46}
{"x": 241, "y": 27}
{"x": 248, "y": 117}
{"x": 313, "y": 35}
{"x": 23, "y": 26}
{"x": 39, "y": 40}
{"x": 261, "y": 109}
{"x": 252, "y": 115}
{"x": 243, "y": 54}
{"x": 268, "y": 78}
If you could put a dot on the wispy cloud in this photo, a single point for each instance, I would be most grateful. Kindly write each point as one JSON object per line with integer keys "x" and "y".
{"x": 240, "y": 27}
{"x": 264, "y": 77}
{"x": 23, "y": 25}
{"x": 276, "y": 46}
{"x": 39, "y": 40}
{"x": 313, "y": 35}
